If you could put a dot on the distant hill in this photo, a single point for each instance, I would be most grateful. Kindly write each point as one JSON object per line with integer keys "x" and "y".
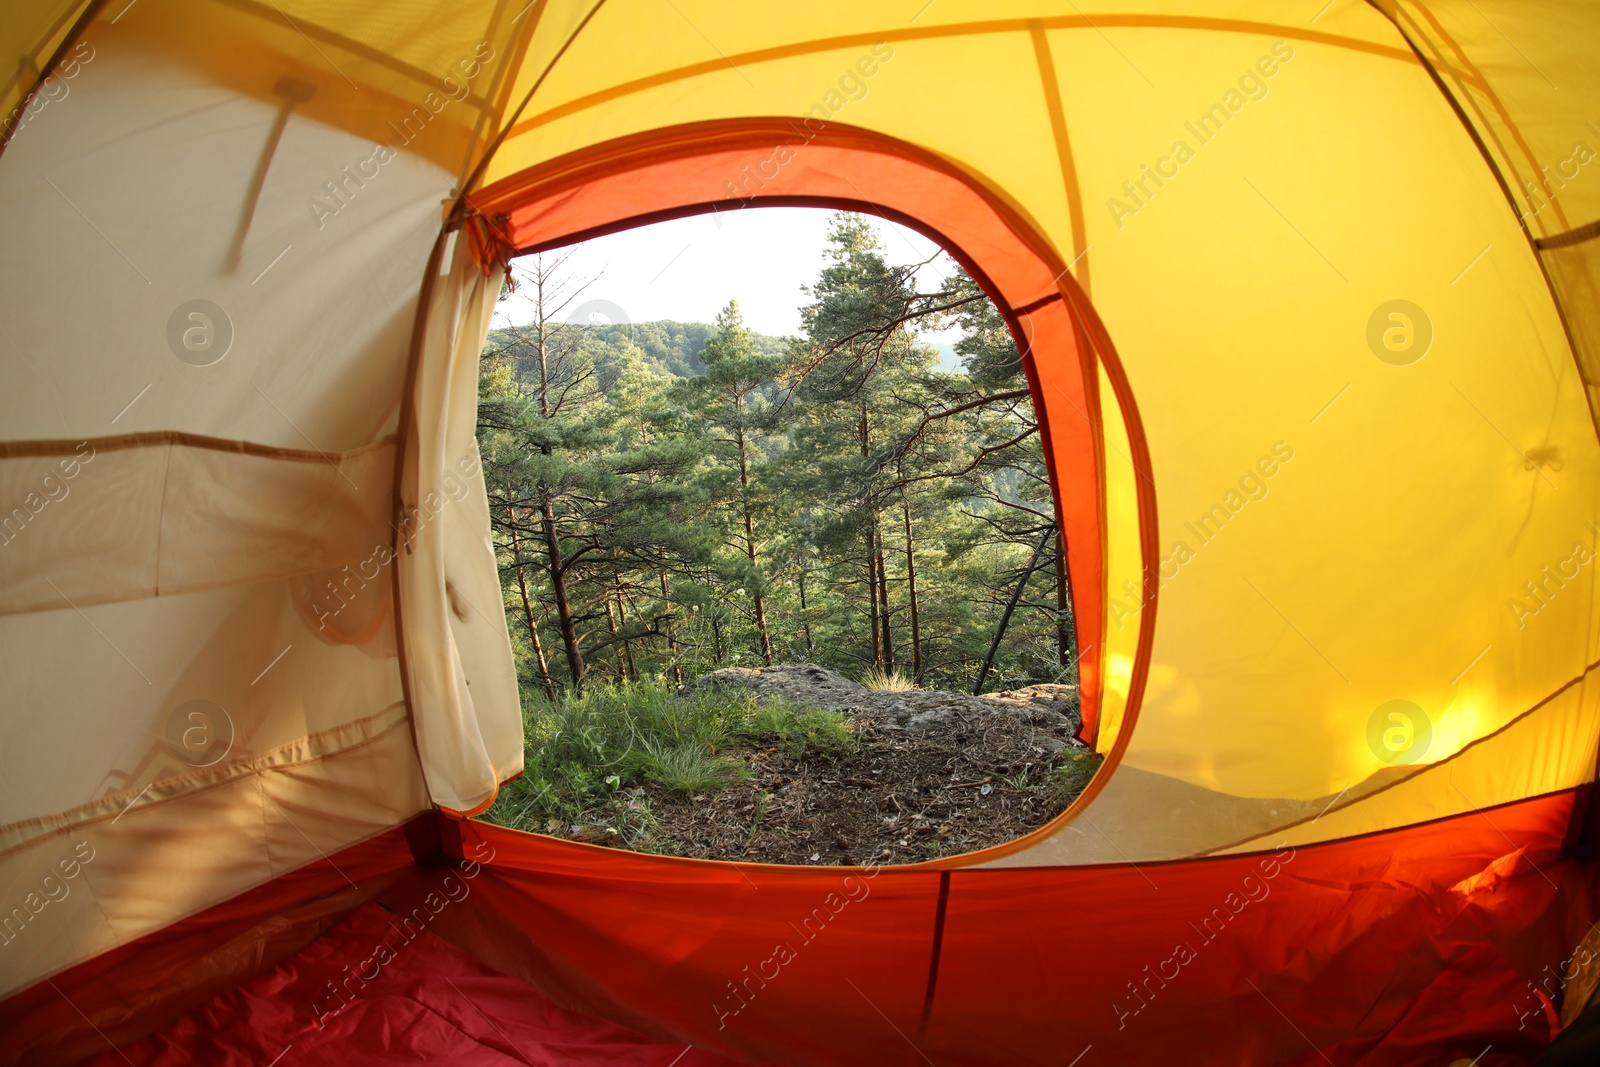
{"x": 676, "y": 346}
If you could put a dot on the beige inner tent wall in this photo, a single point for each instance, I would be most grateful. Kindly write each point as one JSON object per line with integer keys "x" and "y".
{"x": 223, "y": 445}
{"x": 1242, "y": 190}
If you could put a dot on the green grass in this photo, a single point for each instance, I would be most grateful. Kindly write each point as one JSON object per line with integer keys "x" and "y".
{"x": 587, "y": 755}
{"x": 888, "y": 681}
{"x": 1069, "y": 777}
{"x": 689, "y": 768}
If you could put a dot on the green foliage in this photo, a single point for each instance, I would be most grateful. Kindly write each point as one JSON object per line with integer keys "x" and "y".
{"x": 1072, "y": 774}
{"x": 668, "y": 498}
{"x": 587, "y": 754}
{"x": 689, "y": 767}
{"x": 797, "y": 729}
{"x": 677, "y": 347}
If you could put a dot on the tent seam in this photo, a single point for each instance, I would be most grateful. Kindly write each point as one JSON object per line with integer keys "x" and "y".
{"x": 1446, "y": 762}
{"x": 41, "y": 447}
{"x": 766, "y": 55}
{"x": 63, "y": 821}
{"x": 90, "y": 12}
{"x": 1058, "y": 132}
{"x": 1522, "y": 223}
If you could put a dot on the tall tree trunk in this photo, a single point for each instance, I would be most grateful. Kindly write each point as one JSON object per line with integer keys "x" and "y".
{"x": 750, "y": 543}
{"x": 544, "y": 364}
{"x": 872, "y": 599}
{"x": 611, "y": 624}
{"x": 1011, "y": 605}
{"x": 547, "y": 513}
{"x": 1063, "y": 629}
{"x": 883, "y": 597}
{"x": 548, "y": 682}
{"x": 805, "y": 619}
{"x": 533, "y": 633}
{"x": 716, "y": 639}
{"x": 558, "y": 583}
{"x": 627, "y": 646}
{"x": 871, "y": 521}
{"x": 911, "y": 590}
{"x": 672, "y": 635}
{"x": 527, "y": 610}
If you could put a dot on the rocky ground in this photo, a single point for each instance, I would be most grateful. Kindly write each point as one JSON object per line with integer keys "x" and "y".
{"x": 933, "y": 774}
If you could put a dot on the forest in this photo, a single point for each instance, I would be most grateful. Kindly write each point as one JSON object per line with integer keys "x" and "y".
{"x": 671, "y": 498}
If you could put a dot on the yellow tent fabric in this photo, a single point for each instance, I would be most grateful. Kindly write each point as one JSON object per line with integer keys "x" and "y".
{"x": 1345, "y": 261}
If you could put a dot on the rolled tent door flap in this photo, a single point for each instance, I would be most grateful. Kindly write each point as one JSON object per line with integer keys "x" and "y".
{"x": 454, "y": 645}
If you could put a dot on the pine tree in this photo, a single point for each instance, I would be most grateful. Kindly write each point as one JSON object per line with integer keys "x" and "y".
{"x": 732, "y": 398}
{"x": 668, "y": 497}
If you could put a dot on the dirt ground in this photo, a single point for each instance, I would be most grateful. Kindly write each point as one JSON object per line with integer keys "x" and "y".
{"x": 933, "y": 775}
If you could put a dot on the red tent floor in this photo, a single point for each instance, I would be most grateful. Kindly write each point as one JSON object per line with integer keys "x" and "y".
{"x": 382, "y": 991}
{"x": 1414, "y": 947}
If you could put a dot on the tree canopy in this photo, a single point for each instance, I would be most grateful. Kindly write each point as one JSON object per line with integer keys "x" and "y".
{"x": 668, "y": 498}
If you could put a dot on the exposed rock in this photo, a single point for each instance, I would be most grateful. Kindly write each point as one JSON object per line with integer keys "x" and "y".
{"x": 1051, "y": 707}
{"x": 804, "y": 683}
{"x": 595, "y": 835}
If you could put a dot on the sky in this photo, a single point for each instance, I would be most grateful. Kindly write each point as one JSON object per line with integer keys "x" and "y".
{"x": 688, "y": 269}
